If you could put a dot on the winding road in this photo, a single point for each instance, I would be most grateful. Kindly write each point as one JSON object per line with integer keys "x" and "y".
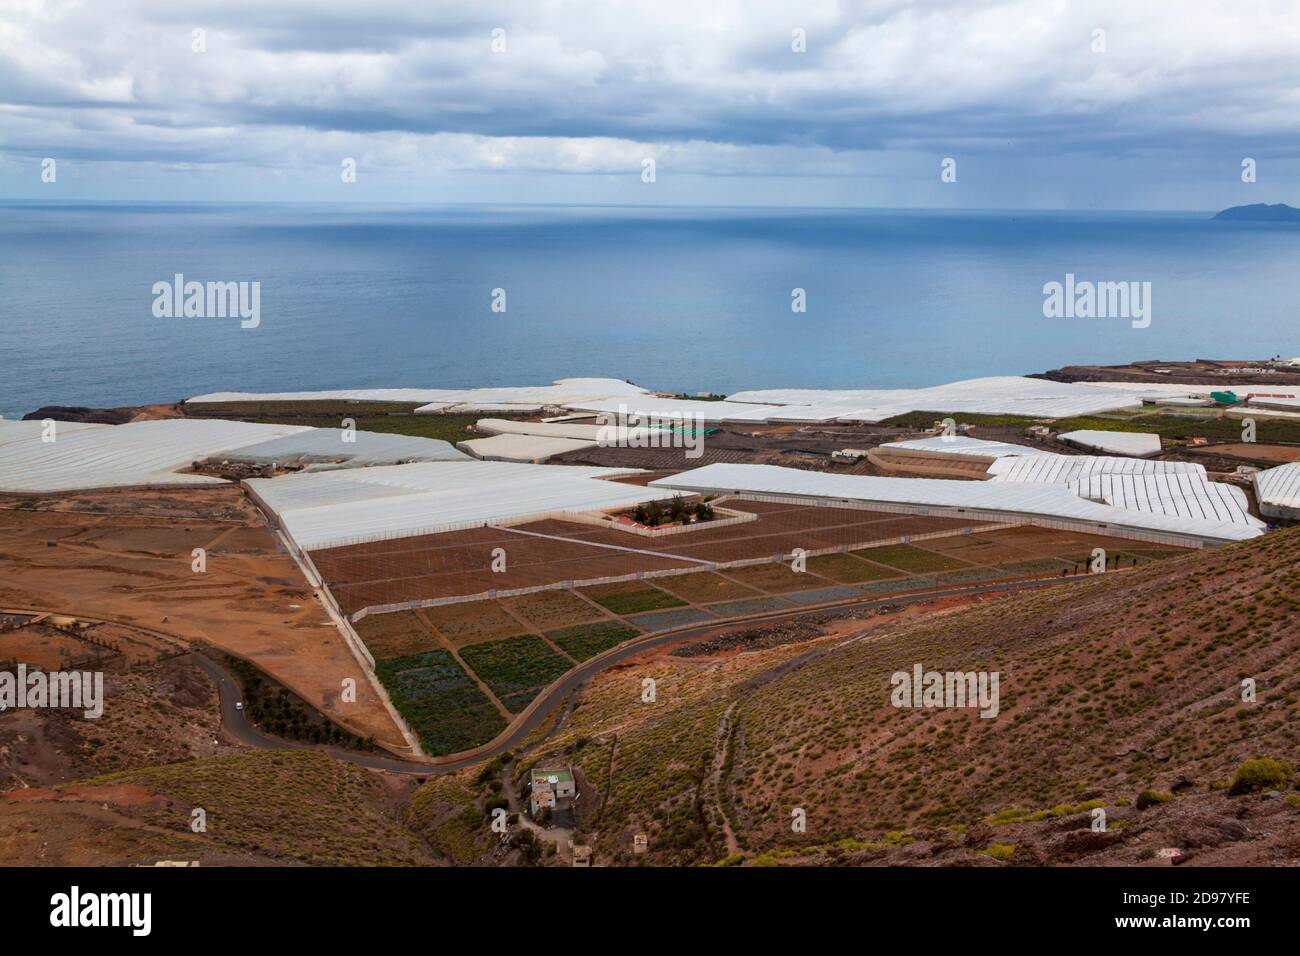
{"x": 235, "y": 722}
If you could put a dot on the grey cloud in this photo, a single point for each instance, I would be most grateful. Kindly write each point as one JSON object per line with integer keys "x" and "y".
{"x": 296, "y": 79}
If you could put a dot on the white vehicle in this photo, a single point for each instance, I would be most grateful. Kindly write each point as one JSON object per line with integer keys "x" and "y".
{"x": 239, "y": 705}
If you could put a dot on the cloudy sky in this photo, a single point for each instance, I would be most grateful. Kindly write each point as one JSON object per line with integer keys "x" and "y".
{"x": 1042, "y": 103}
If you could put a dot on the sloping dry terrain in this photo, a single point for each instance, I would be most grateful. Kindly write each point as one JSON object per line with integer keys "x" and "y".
{"x": 1121, "y": 694}
{"x": 152, "y": 715}
{"x": 280, "y": 808}
{"x": 1123, "y": 684}
{"x": 127, "y": 556}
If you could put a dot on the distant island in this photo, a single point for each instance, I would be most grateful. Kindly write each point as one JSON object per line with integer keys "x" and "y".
{"x": 1261, "y": 212}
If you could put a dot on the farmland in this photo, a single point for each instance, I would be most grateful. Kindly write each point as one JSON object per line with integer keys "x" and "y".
{"x": 905, "y": 557}
{"x": 516, "y": 669}
{"x": 460, "y": 563}
{"x": 588, "y": 640}
{"x": 400, "y": 634}
{"x": 516, "y": 646}
{"x": 546, "y": 610}
{"x": 631, "y": 598}
{"x": 471, "y": 623}
{"x": 440, "y": 701}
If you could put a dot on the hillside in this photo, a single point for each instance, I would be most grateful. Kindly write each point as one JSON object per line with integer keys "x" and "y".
{"x": 262, "y": 808}
{"x": 1125, "y": 683}
{"x": 1121, "y": 692}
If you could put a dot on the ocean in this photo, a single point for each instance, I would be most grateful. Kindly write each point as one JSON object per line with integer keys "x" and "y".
{"x": 686, "y": 299}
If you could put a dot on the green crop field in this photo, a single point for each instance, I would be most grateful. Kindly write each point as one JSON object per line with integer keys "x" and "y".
{"x": 588, "y": 640}
{"x": 633, "y": 601}
{"x": 911, "y": 559}
{"x": 516, "y": 669}
{"x": 439, "y": 700}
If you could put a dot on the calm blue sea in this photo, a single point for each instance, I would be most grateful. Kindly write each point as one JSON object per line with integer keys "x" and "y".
{"x": 683, "y": 299}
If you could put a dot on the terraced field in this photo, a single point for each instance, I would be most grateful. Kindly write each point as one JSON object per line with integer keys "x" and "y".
{"x": 399, "y": 634}
{"x": 473, "y": 621}
{"x": 588, "y": 640}
{"x": 516, "y": 669}
{"x": 546, "y": 610}
{"x": 515, "y": 646}
{"x": 848, "y": 569}
{"x": 912, "y": 559}
{"x": 440, "y": 701}
{"x": 631, "y": 598}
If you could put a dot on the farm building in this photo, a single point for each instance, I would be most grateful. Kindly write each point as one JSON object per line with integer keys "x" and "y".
{"x": 549, "y": 788}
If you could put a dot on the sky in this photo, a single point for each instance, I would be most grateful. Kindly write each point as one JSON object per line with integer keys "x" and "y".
{"x": 1038, "y": 104}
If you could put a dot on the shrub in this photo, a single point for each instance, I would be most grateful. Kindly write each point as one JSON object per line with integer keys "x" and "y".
{"x": 1000, "y": 851}
{"x": 1260, "y": 774}
{"x": 1149, "y": 798}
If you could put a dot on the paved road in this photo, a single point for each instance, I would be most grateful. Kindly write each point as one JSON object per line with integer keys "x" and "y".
{"x": 236, "y": 723}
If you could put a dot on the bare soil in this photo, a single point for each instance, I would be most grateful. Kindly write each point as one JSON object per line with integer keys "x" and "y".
{"x": 127, "y": 558}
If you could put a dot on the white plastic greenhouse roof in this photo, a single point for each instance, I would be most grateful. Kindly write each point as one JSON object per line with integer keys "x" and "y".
{"x": 1159, "y": 388}
{"x": 1276, "y": 401}
{"x": 1184, "y": 401}
{"x": 533, "y": 448}
{"x": 1255, "y": 411}
{"x": 559, "y": 393}
{"x": 1014, "y": 395}
{"x": 608, "y": 434}
{"x": 326, "y": 448}
{"x": 18, "y": 431}
{"x": 997, "y": 395}
{"x": 472, "y": 408}
{"x": 1063, "y": 469}
{"x": 1136, "y": 444}
{"x": 1162, "y": 390}
{"x": 648, "y": 408}
{"x": 964, "y": 445}
{"x": 1186, "y": 496}
{"x": 1045, "y": 501}
{"x": 1278, "y": 490}
{"x": 135, "y": 454}
{"x": 338, "y": 508}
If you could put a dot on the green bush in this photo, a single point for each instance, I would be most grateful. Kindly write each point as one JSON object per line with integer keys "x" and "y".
{"x": 1260, "y": 774}
{"x": 1149, "y": 798}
